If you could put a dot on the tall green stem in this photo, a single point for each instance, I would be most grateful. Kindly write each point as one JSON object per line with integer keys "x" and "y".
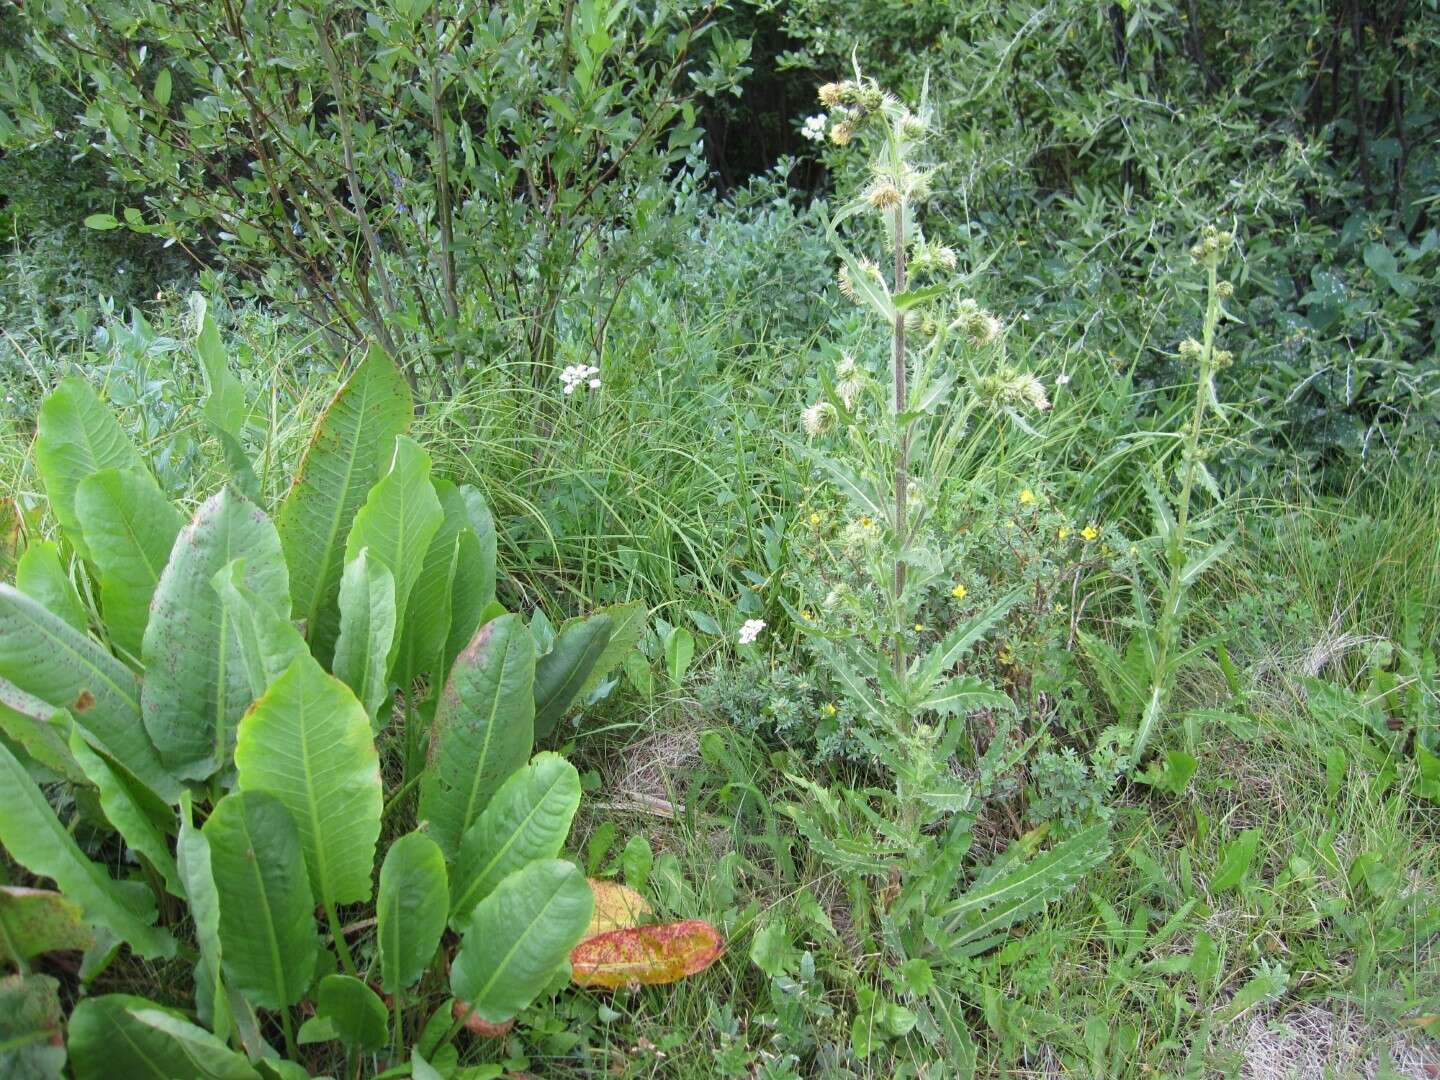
{"x": 1168, "y": 634}
{"x": 902, "y": 451}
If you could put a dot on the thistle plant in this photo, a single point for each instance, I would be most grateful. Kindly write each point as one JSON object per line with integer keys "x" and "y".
{"x": 886, "y": 442}
{"x": 1181, "y": 569}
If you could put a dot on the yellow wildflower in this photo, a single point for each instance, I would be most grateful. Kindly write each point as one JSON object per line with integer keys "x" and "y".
{"x": 1027, "y": 497}
{"x": 919, "y": 628}
{"x": 806, "y": 615}
{"x": 1063, "y": 532}
{"x": 958, "y": 592}
{"x": 1089, "y": 533}
{"x": 865, "y": 521}
{"x": 814, "y": 519}
{"x": 828, "y": 709}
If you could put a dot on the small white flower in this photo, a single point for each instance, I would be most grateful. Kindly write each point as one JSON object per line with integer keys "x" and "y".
{"x": 814, "y": 128}
{"x": 751, "y": 630}
{"x": 1062, "y": 380}
{"x": 576, "y": 375}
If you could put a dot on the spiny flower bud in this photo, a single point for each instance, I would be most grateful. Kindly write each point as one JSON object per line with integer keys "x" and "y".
{"x": 1013, "y": 389}
{"x": 910, "y": 126}
{"x": 1225, "y": 289}
{"x": 842, "y": 133}
{"x": 1190, "y": 349}
{"x": 927, "y": 258}
{"x": 847, "y": 283}
{"x": 1222, "y": 358}
{"x": 882, "y": 195}
{"x": 819, "y": 418}
{"x": 978, "y": 325}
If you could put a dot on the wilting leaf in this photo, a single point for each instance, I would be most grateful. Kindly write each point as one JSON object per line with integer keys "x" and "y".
{"x": 31, "y": 1045}
{"x": 617, "y": 907}
{"x": 36, "y": 921}
{"x": 349, "y": 450}
{"x": 646, "y": 955}
{"x": 476, "y": 1025}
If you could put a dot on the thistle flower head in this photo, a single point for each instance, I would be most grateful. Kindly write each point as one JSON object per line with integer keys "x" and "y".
{"x": 979, "y": 326}
{"x": 882, "y": 194}
{"x": 832, "y": 94}
{"x": 930, "y": 258}
{"x": 847, "y": 282}
{"x": 1213, "y": 242}
{"x": 1011, "y": 389}
{"x": 842, "y": 133}
{"x": 819, "y": 418}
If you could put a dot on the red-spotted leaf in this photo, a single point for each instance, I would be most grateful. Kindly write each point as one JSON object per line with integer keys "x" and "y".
{"x": 646, "y": 955}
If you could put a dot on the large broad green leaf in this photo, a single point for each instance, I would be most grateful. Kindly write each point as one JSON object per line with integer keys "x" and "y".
{"x": 35, "y": 838}
{"x": 410, "y": 910}
{"x": 519, "y": 936}
{"x": 130, "y": 528}
{"x": 40, "y": 729}
{"x": 192, "y": 860}
{"x": 138, "y": 815}
{"x": 627, "y": 624}
{"x": 42, "y": 655}
{"x": 473, "y": 590}
{"x": 528, "y": 819}
{"x": 119, "y": 1035}
{"x": 196, "y": 684}
{"x": 367, "y": 631}
{"x": 37, "y": 921}
{"x": 351, "y": 447}
{"x": 30, "y": 1028}
{"x": 77, "y": 436}
{"x": 40, "y": 576}
{"x": 268, "y": 642}
{"x": 561, "y": 672}
{"x": 348, "y": 1010}
{"x": 308, "y": 743}
{"x": 399, "y": 519}
{"x": 484, "y": 728}
{"x": 429, "y": 614}
{"x": 267, "y": 921}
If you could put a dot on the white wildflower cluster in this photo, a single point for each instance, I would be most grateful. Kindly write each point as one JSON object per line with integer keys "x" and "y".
{"x": 576, "y": 375}
{"x": 814, "y": 128}
{"x": 750, "y": 630}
